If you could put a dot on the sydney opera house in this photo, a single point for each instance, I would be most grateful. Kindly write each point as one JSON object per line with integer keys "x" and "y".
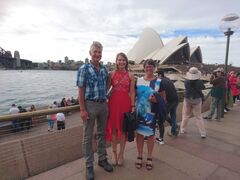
{"x": 175, "y": 52}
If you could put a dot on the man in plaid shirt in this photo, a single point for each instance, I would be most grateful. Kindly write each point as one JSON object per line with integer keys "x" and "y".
{"x": 92, "y": 84}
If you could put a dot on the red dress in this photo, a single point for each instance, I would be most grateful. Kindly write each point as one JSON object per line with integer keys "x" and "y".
{"x": 119, "y": 103}
{"x": 233, "y": 81}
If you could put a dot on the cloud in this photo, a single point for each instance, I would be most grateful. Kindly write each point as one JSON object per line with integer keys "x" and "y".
{"x": 53, "y": 29}
{"x": 214, "y": 49}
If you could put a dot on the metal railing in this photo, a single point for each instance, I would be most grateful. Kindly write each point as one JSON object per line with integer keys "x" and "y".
{"x": 24, "y": 115}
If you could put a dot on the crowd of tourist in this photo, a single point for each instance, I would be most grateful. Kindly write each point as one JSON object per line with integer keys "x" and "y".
{"x": 58, "y": 117}
{"x": 27, "y": 123}
{"x": 141, "y": 105}
{"x": 225, "y": 93}
{"x": 21, "y": 124}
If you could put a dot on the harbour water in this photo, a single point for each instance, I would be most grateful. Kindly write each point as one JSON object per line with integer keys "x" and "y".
{"x": 38, "y": 87}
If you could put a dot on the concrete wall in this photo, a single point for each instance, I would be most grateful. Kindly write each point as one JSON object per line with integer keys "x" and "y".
{"x": 50, "y": 150}
{"x": 12, "y": 161}
{"x": 31, "y": 156}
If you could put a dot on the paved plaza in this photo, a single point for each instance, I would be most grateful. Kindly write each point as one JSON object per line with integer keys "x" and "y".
{"x": 186, "y": 157}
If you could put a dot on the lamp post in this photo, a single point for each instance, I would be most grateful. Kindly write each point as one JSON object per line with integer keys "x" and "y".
{"x": 228, "y": 33}
{"x": 229, "y": 23}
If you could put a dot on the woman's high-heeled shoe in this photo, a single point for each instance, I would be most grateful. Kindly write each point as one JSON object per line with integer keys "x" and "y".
{"x": 120, "y": 160}
{"x": 138, "y": 163}
{"x": 149, "y": 164}
{"x": 114, "y": 158}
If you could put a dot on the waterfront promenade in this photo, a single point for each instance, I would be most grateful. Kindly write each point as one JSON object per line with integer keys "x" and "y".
{"x": 187, "y": 157}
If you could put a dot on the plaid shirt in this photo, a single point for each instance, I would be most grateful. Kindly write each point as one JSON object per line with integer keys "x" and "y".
{"x": 93, "y": 80}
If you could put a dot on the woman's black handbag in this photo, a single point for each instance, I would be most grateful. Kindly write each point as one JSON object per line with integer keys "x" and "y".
{"x": 130, "y": 125}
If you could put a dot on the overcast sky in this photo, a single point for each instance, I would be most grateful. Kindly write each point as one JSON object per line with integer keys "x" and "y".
{"x": 52, "y": 29}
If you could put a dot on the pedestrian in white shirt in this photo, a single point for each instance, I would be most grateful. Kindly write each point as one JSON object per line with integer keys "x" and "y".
{"x": 15, "y": 123}
{"x": 60, "y": 121}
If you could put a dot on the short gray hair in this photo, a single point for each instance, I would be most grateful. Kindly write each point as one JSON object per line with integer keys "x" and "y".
{"x": 96, "y": 44}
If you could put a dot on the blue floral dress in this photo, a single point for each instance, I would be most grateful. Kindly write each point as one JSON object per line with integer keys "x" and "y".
{"x": 146, "y": 118}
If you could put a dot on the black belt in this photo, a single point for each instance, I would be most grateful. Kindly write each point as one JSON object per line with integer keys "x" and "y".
{"x": 97, "y": 100}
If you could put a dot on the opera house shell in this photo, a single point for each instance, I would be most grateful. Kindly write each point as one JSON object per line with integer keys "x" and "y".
{"x": 174, "y": 57}
{"x": 150, "y": 46}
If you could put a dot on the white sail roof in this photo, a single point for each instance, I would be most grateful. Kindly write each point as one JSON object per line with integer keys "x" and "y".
{"x": 176, "y": 51}
{"x": 196, "y": 54}
{"x": 147, "y": 43}
{"x": 169, "y": 49}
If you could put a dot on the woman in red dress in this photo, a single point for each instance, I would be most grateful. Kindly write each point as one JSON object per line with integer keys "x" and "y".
{"x": 233, "y": 82}
{"x": 122, "y": 100}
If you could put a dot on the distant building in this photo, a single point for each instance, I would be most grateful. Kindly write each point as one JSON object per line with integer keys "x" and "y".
{"x": 71, "y": 61}
{"x": 42, "y": 65}
{"x": 9, "y": 54}
{"x": 86, "y": 60}
{"x": 16, "y": 55}
{"x": 66, "y": 60}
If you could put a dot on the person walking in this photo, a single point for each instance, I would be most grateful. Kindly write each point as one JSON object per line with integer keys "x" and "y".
{"x": 147, "y": 110}
{"x": 192, "y": 103}
{"x": 92, "y": 84}
{"x": 171, "y": 98}
{"x": 218, "y": 94}
{"x": 50, "y": 119}
{"x": 121, "y": 101}
{"x": 32, "y": 109}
